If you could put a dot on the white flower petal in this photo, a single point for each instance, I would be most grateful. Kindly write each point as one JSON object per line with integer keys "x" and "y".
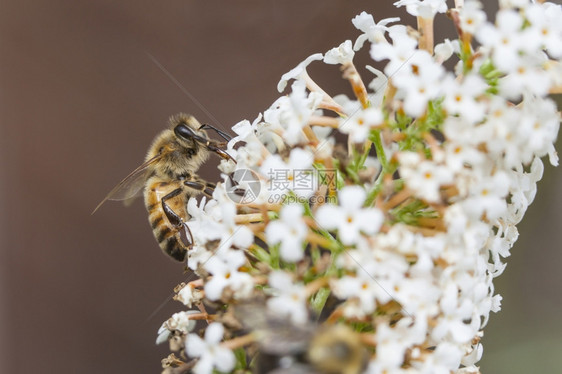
{"x": 214, "y": 333}
{"x": 352, "y": 198}
{"x": 297, "y": 71}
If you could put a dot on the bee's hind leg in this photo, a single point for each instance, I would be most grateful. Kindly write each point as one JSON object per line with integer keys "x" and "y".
{"x": 177, "y": 245}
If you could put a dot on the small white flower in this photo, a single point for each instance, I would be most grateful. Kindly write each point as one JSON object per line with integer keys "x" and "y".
{"x": 505, "y": 39}
{"x": 458, "y": 155}
{"x": 289, "y": 299}
{"x": 189, "y": 295}
{"x": 425, "y": 177}
{"x": 247, "y": 147}
{"x": 546, "y": 29}
{"x": 215, "y": 221}
{"x": 290, "y": 230}
{"x": 399, "y": 53}
{"x": 197, "y": 255}
{"x": 224, "y": 269}
{"x": 374, "y": 32}
{"x": 445, "y": 359}
{"x": 488, "y": 196}
{"x": 291, "y": 113}
{"x": 423, "y": 8}
{"x": 361, "y": 292}
{"x": 360, "y": 123}
{"x": 341, "y": 55}
{"x": 419, "y": 82}
{"x": 471, "y": 358}
{"x": 205, "y": 215}
{"x": 179, "y": 321}
{"x": 538, "y": 126}
{"x": 472, "y": 16}
{"x": 393, "y": 342}
{"x": 445, "y": 50}
{"x": 417, "y": 294}
{"x": 377, "y": 273}
{"x": 525, "y": 76}
{"x": 296, "y": 175}
{"x": 209, "y": 351}
{"x": 456, "y": 311}
{"x": 232, "y": 234}
{"x": 460, "y": 98}
{"x": 350, "y": 218}
{"x": 500, "y": 132}
{"x": 296, "y": 72}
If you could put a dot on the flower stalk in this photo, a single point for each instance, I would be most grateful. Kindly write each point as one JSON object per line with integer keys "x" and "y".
{"x": 389, "y": 212}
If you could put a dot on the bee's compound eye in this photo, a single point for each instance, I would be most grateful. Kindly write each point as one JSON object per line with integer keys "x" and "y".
{"x": 183, "y": 131}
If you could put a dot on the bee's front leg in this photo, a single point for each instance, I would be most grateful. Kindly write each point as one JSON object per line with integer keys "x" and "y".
{"x": 215, "y": 147}
{"x": 222, "y": 134}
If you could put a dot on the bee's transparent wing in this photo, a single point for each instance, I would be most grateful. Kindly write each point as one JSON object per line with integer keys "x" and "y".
{"x": 133, "y": 183}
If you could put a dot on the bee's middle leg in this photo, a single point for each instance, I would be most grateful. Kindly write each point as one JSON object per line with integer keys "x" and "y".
{"x": 205, "y": 187}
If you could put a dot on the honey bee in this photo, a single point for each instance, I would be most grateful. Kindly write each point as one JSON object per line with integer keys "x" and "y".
{"x": 313, "y": 349}
{"x": 309, "y": 348}
{"x": 168, "y": 179}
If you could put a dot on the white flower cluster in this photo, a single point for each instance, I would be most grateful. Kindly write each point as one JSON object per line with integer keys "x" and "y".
{"x": 404, "y": 228}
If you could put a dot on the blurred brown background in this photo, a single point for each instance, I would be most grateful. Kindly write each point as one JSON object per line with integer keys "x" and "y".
{"x": 81, "y": 99}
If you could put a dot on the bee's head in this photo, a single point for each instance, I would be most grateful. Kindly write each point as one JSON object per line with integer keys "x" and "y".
{"x": 192, "y": 135}
{"x": 188, "y": 130}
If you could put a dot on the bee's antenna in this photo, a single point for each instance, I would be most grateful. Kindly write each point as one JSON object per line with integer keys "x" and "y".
{"x": 181, "y": 87}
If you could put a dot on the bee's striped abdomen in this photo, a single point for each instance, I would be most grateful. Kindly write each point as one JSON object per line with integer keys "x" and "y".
{"x": 167, "y": 234}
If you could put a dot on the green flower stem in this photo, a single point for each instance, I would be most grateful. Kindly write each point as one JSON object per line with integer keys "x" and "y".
{"x": 274, "y": 256}
{"x": 352, "y": 174}
{"x": 376, "y": 138}
{"x": 240, "y": 355}
{"x": 366, "y": 150}
{"x": 261, "y": 254}
{"x": 373, "y": 193}
{"x": 318, "y": 301}
{"x": 315, "y": 254}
